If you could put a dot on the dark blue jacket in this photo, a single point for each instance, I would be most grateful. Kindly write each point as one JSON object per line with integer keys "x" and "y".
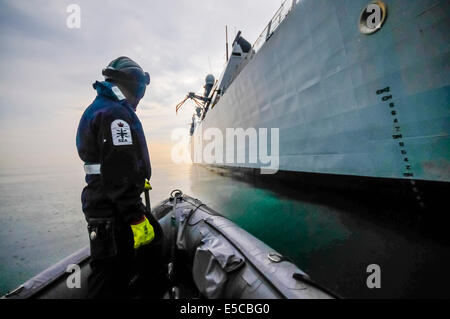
{"x": 111, "y": 134}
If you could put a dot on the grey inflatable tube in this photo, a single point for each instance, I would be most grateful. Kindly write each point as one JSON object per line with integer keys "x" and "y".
{"x": 227, "y": 261}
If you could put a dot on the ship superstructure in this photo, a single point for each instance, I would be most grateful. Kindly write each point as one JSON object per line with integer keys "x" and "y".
{"x": 348, "y": 101}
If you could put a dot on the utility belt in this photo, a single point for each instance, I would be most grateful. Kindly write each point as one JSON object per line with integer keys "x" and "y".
{"x": 103, "y": 237}
{"x": 106, "y": 236}
{"x": 92, "y": 169}
{"x": 102, "y": 231}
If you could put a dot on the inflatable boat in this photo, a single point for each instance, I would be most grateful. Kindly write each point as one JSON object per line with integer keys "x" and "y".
{"x": 213, "y": 257}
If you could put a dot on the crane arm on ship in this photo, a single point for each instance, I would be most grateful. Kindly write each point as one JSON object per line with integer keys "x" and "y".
{"x": 199, "y": 100}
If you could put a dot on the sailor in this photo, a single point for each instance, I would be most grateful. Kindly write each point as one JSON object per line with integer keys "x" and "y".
{"x": 124, "y": 237}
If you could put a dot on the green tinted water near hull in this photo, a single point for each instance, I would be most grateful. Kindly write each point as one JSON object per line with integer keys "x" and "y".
{"x": 270, "y": 218}
{"x": 332, "y": 238}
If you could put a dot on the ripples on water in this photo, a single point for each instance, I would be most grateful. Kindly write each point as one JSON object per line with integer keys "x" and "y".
{"x": 41, "y": 222}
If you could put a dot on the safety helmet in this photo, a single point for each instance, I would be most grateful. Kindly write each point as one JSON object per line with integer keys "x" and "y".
{"x": 128, "y": 73}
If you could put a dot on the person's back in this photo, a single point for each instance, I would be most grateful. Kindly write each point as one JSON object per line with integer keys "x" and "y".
{"x": 111, "y": 142}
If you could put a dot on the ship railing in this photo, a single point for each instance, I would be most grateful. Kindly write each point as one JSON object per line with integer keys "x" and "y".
{"x": 286, "y": 7}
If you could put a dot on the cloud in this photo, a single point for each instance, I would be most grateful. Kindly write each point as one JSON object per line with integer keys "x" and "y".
{"x": 48, "y": 69}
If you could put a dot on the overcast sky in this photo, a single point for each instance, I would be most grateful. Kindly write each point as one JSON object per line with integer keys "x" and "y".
{"x": 47, "y": 69}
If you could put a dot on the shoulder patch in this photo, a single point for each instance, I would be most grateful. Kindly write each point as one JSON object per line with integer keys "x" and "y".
{"x": 121, "y": 133}
{"x": 118, "y": 93}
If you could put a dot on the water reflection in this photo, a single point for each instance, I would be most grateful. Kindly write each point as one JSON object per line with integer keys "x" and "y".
{"x": 331, "y": 237}
{"x": 332, "y": 243}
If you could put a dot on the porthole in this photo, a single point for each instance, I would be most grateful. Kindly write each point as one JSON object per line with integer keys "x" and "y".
{"x": 372, "y": 17}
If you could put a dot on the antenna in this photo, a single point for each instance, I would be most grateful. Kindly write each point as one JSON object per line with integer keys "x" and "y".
{"x": 226, "y": 39}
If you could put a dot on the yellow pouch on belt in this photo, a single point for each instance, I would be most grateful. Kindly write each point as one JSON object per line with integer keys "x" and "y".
{"x": 143, "y": 233}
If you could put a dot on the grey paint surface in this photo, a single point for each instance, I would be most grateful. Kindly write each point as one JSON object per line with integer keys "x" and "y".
{"x": 317, "y": 77}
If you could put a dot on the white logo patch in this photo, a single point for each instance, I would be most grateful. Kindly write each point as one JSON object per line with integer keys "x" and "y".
{"x": 121, "y": 133}
{"x": 118, "y": 93}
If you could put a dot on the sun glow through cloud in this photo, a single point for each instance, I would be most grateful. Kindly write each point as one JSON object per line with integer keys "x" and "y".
{"x": 48, "y": 69}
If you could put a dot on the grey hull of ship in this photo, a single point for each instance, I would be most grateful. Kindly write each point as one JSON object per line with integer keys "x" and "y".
{"x": 323, "y": 84}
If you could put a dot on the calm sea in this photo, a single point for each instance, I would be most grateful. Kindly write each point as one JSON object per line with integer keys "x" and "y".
{"x": 41, "y": 222}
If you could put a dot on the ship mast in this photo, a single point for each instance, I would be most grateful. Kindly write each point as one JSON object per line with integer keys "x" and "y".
{"x": 226, "y": 41}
